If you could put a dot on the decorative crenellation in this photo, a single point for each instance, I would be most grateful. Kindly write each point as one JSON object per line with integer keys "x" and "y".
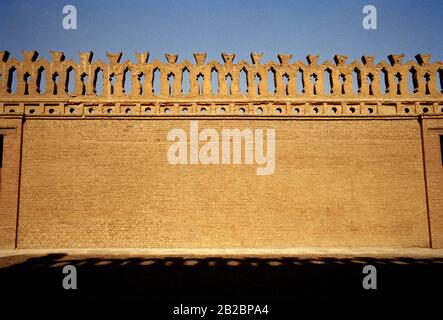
{"x": 66, "y": 80}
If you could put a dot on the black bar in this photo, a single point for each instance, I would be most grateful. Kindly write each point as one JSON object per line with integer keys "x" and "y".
{"x": 441, "y": 148}
{"x": 1, "y": 150}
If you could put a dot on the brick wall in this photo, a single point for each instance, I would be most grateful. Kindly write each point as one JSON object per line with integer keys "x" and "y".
{"x": 9, "y": 180}
{"x": 107, "y": 183}
{"x": 432, "y": 130}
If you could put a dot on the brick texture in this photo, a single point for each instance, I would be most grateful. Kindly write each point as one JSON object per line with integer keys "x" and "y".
{"x": 107, "y": 183}
{"x": 432, "y": 130}
{"x": 9, "y": 180}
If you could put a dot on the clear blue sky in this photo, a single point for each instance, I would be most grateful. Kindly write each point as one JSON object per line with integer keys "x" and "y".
{"x": 322, "y": 27}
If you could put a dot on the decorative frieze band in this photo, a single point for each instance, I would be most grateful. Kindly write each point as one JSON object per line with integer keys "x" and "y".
{"x": 220, "y": 109}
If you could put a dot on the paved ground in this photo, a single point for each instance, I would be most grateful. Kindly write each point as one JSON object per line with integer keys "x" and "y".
{"x": 163, "y": 281}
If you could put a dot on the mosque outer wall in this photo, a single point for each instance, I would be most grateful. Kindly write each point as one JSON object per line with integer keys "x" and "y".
{"x": 76, "y": 175}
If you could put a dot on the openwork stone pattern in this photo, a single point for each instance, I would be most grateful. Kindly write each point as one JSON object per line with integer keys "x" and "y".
{"x": 358, "y": 152}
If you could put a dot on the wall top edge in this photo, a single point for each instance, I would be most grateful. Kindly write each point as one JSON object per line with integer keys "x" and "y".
{"x": 86, "y": 57}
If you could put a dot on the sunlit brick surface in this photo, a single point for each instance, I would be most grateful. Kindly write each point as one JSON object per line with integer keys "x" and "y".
{"x": 95, "y": 183}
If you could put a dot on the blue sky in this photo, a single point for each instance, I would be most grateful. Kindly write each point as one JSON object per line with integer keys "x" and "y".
{"x": 322, "y": 27}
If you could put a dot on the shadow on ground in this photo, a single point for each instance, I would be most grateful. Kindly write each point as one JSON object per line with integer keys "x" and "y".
{"x": 218, "y": 280}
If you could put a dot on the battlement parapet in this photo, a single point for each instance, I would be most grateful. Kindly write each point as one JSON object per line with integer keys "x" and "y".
{"x": 62, "y": 79}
